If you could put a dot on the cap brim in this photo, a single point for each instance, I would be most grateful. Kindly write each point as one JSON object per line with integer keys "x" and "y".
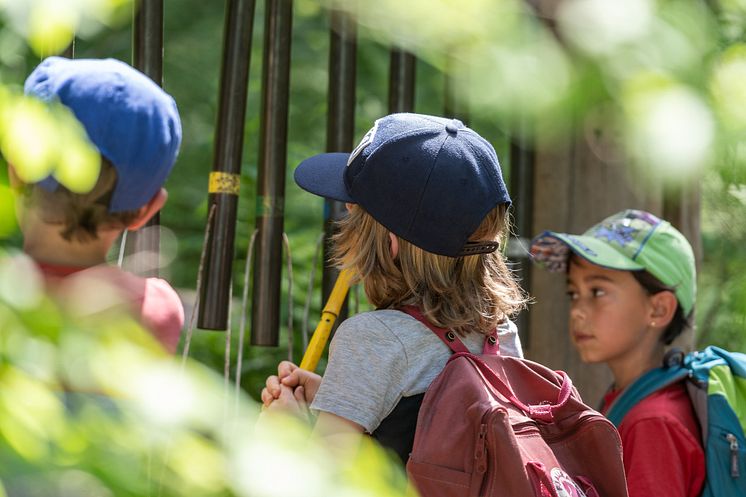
{"x": 595, "y": 251}
{"x": 323, "y": 175}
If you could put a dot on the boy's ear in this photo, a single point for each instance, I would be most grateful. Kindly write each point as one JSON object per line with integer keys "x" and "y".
{"x": 664, "y": 305}
{"x": 148, "y": 210}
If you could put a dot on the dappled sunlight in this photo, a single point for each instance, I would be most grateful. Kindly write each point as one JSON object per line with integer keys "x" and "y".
{"x": 599, "y": 27}
{"x": 49, "y": 25}
{"x": 32, "y": 416}
{"x": 27, "y": 138}
{"x": 89, "y": 392}
{"x": 8, "y": 223}
{"x": 727, "y": 88}
{"x": 670, "y": 128}
{"x": 21, "y": 284}
{"x": 40, "y": 139}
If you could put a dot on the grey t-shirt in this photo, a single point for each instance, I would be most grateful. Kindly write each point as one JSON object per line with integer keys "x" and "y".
{"x": 378, "y": 357}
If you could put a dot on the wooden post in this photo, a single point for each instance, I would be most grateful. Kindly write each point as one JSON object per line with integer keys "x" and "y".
{"x": 577, "y": 184}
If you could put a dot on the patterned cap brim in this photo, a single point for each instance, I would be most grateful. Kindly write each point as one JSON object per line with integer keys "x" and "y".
{"x": 551, "y": 251}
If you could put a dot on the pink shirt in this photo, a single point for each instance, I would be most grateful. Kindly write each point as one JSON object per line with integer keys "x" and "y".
{"x": 150, "y": 300}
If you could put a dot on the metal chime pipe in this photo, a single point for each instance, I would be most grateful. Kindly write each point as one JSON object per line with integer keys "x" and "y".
{"x": 226, "y": 170}
{"x": 401, "y": 81}
{"x": 143, "y": 247}
{"x": 455, "y": 102}
{"x": 340, "y": 126}
{"x": 270, "y": 200}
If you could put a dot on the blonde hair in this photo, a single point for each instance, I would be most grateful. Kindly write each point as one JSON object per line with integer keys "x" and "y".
{"x": 463, "y": 294}
{"x": 79, "y": 214}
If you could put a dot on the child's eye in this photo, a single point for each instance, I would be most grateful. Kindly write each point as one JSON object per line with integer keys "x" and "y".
{"x": 572, "y": 295}
{"x": 598, "y": 292}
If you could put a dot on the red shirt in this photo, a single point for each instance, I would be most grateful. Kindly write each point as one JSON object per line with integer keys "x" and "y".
{"x": 662, "y": 452}
{"x": 150, "y": 300}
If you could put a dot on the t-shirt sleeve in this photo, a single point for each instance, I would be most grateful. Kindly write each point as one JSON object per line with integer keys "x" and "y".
{"x": 365, "y": 375}
{"x": 661, "y": 457}
{"x": 162, "y": 313}
{"x": 510, "y": 342}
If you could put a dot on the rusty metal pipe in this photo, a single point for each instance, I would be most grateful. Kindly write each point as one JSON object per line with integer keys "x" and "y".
{"x": 270, "y": 199}
{"x": 225, "y": 177}
{"x": 143, "y": 247}
{"x": 340, "y": 127}
{"x": 401, "y": 81}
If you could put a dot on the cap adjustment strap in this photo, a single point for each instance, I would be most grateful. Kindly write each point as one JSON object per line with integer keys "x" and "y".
{"x": 474, "y": 248}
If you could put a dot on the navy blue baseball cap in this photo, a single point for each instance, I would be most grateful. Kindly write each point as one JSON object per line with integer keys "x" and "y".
{"x": 429, "y": 180}
{"x": 134, "y": 124}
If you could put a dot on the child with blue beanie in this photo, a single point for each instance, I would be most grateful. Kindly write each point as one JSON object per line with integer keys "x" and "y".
{"x": 136, "y": 128}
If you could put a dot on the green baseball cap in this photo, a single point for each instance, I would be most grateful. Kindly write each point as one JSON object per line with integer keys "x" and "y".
{"x": 630, "y": 240}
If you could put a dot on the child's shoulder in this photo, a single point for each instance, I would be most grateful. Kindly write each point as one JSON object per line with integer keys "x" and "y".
{"x": 384, "y": 321}
{"x": 670, "y": 406}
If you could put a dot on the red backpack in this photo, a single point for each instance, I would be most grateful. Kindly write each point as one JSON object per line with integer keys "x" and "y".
{"x": 491, "y": 425}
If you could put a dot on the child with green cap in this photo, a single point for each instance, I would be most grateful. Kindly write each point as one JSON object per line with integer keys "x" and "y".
{"x": 631, "y": 280}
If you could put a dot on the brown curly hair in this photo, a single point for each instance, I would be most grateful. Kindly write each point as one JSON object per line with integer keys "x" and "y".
{"x": 79, "y": 214}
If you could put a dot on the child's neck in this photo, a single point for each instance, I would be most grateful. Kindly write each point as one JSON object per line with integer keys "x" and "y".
{"x": 44, "y": 243}
{"x": 627, "y": 369}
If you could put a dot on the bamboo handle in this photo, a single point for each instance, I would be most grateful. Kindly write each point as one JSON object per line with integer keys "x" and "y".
{"x": 328, "y": 317}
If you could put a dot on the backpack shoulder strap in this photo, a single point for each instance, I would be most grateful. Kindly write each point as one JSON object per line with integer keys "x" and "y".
{"x": 491, "y": 343}
{"x": 645, "y": 385}
{"x": 447, "y": 337}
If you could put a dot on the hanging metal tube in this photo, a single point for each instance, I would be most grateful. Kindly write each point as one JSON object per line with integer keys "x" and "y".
{"x": 455, "y": 101}
{"x": 401, "y": 81}
{"x": 143, "y": 247}
{"x": 270, "y": 200}
{"x": 225, "y": 177}
{"x": 340, "y": 126}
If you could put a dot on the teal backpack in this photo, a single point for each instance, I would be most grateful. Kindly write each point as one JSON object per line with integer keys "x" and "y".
{"x": 716, "y": 383}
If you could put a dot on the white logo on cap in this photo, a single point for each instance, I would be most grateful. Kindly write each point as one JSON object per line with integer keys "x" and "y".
{"x": 367, "y": 140}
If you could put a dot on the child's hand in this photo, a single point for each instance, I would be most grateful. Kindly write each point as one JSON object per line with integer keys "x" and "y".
{"x": 291, "y": 401}
{"x": 302, "y": 384}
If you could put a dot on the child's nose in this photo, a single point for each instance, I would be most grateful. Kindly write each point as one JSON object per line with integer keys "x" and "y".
{"x": 577, "y": 312}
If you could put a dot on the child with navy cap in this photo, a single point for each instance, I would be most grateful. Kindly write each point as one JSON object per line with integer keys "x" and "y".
{"x": 631, "y": 280}
{"x": 135, "y": 126}
{"x": 427, "y": 213}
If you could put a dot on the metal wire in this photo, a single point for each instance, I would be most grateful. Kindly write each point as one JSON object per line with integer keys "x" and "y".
{"x": 286, "y": 242}
{"x": 309, "y": 294}
{"x": 122, "y": 245}
{"x": 190, "y": 328}
{"x": 244, "y": 303}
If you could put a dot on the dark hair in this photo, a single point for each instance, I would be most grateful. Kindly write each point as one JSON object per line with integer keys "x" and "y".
{"x": 679, "y": 323}
{"x": 79, "y": 215}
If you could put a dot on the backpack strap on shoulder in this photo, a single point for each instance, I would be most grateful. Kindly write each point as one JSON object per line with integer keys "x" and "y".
{"x": 452, "y": 341}
{"x": 645, "y": 385}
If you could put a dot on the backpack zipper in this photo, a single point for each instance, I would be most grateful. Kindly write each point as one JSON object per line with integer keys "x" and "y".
{"x": 480, "y": 453}
{"x": 731, "y": 438}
